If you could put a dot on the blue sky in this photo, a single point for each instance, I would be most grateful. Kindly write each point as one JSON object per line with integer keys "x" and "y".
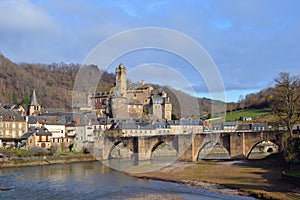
{"x": 250, "y": 41}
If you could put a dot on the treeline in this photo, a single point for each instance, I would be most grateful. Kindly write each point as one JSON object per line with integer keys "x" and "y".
{"x": 259, "y": 100}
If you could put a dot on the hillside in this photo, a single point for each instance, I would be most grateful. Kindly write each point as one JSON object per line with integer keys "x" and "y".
{"x": 54, "y": 84}
{"x": 185, "y": 105}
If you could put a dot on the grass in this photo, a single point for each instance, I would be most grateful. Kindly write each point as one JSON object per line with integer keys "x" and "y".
{"x": 294, "y": 173}
{"x": 254, "y": 113}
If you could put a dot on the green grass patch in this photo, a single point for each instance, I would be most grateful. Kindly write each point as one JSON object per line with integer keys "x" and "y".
{"x": 294, "y": 173}
{"x": 67, "y": 153}
{"x": 235, "y": 115}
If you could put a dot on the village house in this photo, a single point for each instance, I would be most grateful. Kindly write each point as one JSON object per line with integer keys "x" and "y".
{"x": 192, "y": 125}
{"x": 249, "y": 127}
{"x": 230, "y": 126}
{"x": 12, "y": 126}
{"x": 37, "y": 137}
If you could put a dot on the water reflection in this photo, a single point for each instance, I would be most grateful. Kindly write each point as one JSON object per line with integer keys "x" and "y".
{"x": 123, "y": 164}
{"x": 90, "y": 180}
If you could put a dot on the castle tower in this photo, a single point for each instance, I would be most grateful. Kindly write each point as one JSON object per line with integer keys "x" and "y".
{"x": 167, "y": 109}
{"x": 34, "y": 107}
{"x": 121, "y": 82}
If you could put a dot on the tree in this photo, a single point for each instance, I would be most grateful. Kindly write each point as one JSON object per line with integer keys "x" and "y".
{"x": 286, "y": 105}
{"x": 173, "y": 117}
{"x": 241, "y": 102}
{"x": 71, "y": 147}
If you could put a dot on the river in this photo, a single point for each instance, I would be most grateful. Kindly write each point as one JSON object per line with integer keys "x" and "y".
{"x": 89, "y": 180}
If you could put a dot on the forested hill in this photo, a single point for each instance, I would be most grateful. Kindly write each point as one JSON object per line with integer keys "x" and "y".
{"x": 53, "y": 83}
{"x": 259, "y": 100}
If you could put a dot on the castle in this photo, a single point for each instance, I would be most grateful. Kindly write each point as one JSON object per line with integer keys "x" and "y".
{"x": 139, "y": 100}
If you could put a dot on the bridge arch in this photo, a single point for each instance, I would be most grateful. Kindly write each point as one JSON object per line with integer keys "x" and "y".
{"x": 212, "y": 145}
{"x": 160, "y": 143}
{"x": 270, "y": 149}
{"x": 116, "y": 145}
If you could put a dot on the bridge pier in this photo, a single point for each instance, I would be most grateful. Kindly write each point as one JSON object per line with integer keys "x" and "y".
{"x": 237, "y": 145}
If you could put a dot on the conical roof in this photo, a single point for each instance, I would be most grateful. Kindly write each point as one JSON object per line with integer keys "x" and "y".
{"x": 34, "y": 101}
{"x": 121, "y": 66}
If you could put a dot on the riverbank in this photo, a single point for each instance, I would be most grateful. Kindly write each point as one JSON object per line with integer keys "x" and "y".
{"x": 45, "y": 160}
{"x": 256, "y": 178}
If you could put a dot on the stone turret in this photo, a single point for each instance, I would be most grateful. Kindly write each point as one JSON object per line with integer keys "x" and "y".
{"x": 34, "y": 107}
{"x": 121, "y": 82}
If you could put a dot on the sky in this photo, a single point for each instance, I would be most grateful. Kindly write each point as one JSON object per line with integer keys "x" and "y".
{"x": 249, "y": 42}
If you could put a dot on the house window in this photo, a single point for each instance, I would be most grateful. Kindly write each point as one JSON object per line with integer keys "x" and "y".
{"x": 46, "y": 138}
{"x": 40, "y": 138}
{"x": 1, "y": 133}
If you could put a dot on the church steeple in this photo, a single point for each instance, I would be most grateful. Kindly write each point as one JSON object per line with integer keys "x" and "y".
{"x": 34, "y": 101}
{"x": 34, "y": 107}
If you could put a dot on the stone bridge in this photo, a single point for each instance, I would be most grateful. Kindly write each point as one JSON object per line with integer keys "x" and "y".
{"x": 188, "y": 146}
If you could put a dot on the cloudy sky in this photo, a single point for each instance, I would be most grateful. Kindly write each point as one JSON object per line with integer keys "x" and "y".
{"x": 250, "y": 41}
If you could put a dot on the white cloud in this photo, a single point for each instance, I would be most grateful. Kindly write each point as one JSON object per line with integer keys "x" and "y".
{"x": 22, "y": 16}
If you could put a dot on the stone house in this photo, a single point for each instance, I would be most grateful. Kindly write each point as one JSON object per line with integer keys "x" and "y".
{"x": 192, "y": 125}
{"x": 37, "y": 136}
{"x": 230, "y": 126}
{"x": 12, "y": 126}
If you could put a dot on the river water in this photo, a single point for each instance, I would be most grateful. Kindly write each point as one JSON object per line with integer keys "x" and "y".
{"x": 89, "y": 180}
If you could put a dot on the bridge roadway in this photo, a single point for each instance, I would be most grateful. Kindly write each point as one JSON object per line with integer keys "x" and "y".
{"x": 188, "y": 145}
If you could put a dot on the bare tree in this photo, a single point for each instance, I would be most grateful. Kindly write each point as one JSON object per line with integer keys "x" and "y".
{"x": 286, "y": 105}
{"x": 241, "y": 102}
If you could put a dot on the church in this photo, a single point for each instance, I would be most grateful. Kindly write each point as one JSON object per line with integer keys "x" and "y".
{"x": 138, "y": 100}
